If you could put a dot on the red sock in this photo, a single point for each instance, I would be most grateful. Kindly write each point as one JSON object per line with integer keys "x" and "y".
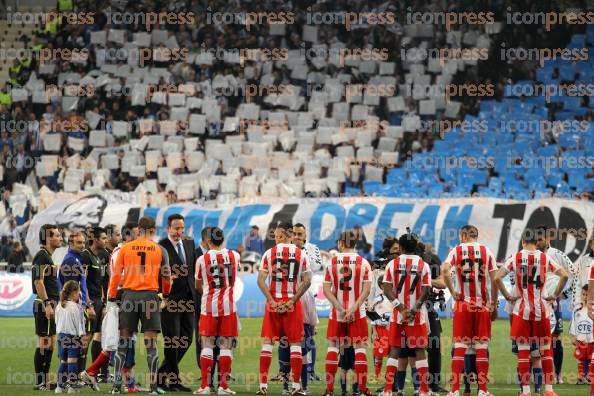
{"x": 482, "y": 368}
{"x": 265, "y": 359}
{"x": 225, "y": 359}
{"x": 524, "y": 366}
{"x": 331, "y": 367}
{"x": 296, "y": 363}
{"x": 126, "y": 375}
{"x": 101, "y": 361}
{"x": 377, "y": 365}
{"x": 391, "y": 367}
{"x": 580, "y": 369}
{"x": 458, "y": 366}
{"x": 423, "y": 370}
{"x": 547, "y": 367}
{"x": 206, "y": 365}
{"x": 361, "y": 368}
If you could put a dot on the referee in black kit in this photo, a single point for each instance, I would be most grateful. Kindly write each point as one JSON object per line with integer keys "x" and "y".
{"x": 45, "y": 286}
{"x": 177, "y": 317}
{"x": 95, "y": 261}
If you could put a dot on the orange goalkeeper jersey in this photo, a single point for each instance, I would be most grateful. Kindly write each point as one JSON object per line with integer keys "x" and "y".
{"x": 141, "y": 263}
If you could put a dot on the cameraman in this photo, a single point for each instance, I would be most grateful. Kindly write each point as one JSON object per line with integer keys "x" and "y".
{"x": 436, "y": 297}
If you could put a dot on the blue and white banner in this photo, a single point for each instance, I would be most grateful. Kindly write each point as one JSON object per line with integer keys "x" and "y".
{"x": 16, "y": 294}
{"x": 500, "y": 222}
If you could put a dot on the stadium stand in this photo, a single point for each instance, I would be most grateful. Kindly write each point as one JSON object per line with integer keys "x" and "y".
{"x": 192, "y": 129}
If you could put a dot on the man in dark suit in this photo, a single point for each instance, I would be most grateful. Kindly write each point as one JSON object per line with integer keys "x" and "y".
{"x": 178, "y": 321}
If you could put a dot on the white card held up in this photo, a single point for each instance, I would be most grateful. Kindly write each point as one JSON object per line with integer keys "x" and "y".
{"x": 153, "y": 160}
{"x": 231, "y": 124}
{"x": 163, "y": 175}
{"x": 168, "y": 127}
{"x": 19, "y": 94}
{"x": 396, "y": 103}
{"x": 387, "y": 68}
{"x": 120, "y": 128}
{"x": 411, "y": 123}
{"x": 98, "y": 138}
{"x": 93, "y": 118}
{"x": 99, "y": 38}
{"x": 194, "y": 160}
{"x": 110, "y": 161}
{"x": 146, "y": 125}
{"x": 117, "y": 36}
{"x": 197, "y": 124}
{"x": 174, "y": 160}
{"x": 310, "y": 33}
{"x": 452, "y": 109}
{"x": 179, "y": 113}
{"x": 277, "y": 29}
{"x": 137, "y": 171}
{"x": 427, "y": 107}
{"x": 141, "y": 39}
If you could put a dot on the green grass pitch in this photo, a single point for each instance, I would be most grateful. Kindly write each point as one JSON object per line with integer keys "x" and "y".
{"x": 17, "y": 344}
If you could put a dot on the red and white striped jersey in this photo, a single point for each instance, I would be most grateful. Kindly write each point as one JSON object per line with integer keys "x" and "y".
{"x": 530, "y": 270}
{"x": 112, "y": 262}
{"x": 217, "y": 269}
{"x": 346, "y": 273}
{"x": 472, "y": 264}
{"x": 285, "y": 263}
{"x": 407, "y": 274}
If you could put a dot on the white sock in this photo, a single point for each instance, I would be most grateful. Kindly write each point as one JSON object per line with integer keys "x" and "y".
{"x": 525, "y": 388}
{"x": 548, "y": 388}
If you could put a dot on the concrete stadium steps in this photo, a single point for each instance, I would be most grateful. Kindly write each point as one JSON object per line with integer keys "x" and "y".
{"x": 11, "y": 32}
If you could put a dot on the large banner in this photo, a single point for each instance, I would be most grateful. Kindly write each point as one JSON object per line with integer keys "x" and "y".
{"x": 16, "y": 298}
{"x": 500, "y": 222}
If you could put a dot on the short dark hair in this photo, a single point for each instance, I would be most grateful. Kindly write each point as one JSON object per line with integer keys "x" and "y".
{"x": 544, "y": 232}
{"x": 44, "y": 232}
{"x": 285, "y": 225}
{"x": 299, "y": 225}
{"x": 585, "y": 287}
{"x": 348, "y": 238}
{"x": 205, "y": 233}
{"x": 255, "y": 227}
{"x": 469, "y": 231}
{"x": 530, "y": 235}
{"x": 110, "y": 229}
{"x": 216, "y": 236}
{"x": 389, "y": 242}
{"x": 97, "y": 231}
{"x": 408, "y": 243}
{"x": 146, "y": 223}
{"x": 175, "y": 216}
{"x": 127, "y": 229}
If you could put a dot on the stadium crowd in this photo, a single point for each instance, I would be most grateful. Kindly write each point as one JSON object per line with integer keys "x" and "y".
{"x": 128, "y": 131}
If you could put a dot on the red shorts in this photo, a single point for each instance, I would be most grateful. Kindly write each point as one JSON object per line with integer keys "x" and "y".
{"x": 530, "y": 331}
{"x": 415, "y": 336}
{"x": 287, "y": 324}
{"x": 355, "y": 331}
{"x": 381, "y": 341}
{"x": 222, "y": 326}
{"x": 471, "y": 323}
{"x": 583, "y": 351}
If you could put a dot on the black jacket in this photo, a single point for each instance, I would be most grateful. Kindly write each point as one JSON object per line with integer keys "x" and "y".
{"x": 183, "y": 287}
